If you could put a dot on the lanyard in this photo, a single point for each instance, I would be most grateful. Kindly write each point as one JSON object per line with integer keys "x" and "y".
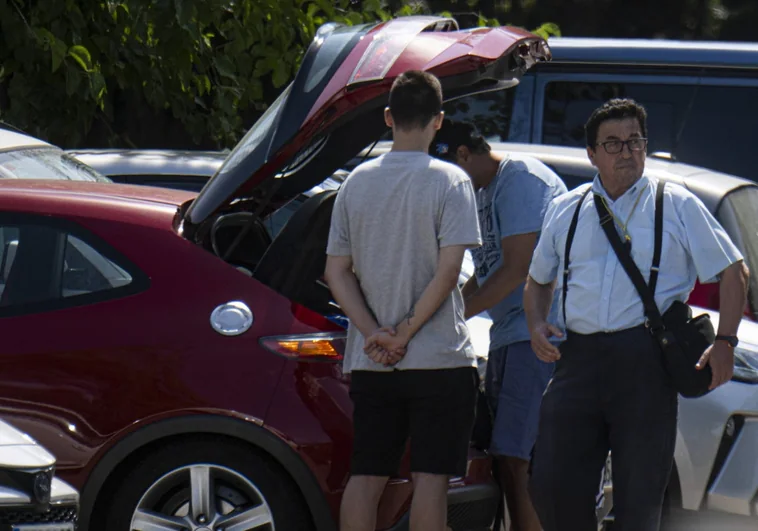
{"x": 623, "y": 227}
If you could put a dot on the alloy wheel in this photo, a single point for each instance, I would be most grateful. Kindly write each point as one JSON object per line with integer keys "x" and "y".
{"x": 202, "y": 497}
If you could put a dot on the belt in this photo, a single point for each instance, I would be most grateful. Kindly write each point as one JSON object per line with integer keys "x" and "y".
{"x": 605, "y": 335}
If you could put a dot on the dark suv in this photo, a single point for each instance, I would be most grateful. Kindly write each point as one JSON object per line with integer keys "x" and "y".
{"x": 702, "y": 98}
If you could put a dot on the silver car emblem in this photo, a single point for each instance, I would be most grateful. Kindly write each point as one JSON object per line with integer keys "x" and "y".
{"x": 232, "y": 319}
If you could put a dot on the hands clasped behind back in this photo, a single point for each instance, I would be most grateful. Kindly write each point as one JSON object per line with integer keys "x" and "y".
{"x": 384, "y": 346}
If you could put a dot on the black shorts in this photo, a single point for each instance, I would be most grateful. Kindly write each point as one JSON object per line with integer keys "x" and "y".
{"x": 435, "y": 408}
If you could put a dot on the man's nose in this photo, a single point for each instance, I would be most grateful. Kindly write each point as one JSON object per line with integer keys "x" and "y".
{"x": 626, "y": 151}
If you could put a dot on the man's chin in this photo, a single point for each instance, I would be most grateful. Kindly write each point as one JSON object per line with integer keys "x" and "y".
{"x": 628, "y": 174}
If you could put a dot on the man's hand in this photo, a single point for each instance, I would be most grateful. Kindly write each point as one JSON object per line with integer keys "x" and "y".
{"x": 721, "y": 359}
{"x": 383, "y": 347}
{"x": 541, "y": 345}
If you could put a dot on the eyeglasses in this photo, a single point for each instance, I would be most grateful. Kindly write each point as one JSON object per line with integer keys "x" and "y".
{"x": 614, "y": 147}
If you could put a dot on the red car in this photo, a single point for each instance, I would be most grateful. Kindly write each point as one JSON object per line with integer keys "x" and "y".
{"x": 183, "y": 367}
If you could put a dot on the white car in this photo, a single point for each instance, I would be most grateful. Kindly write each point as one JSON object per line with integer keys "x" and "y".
{"x": 31, "y": 497}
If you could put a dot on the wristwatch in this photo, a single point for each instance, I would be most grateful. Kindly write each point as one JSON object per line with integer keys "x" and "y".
{"x": 732, "y": 340}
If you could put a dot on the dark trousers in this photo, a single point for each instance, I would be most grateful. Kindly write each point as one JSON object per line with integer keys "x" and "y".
{"x": 609, "y": 392}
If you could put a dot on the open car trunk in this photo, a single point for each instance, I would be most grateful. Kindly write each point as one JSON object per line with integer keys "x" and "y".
{"x": 332, "y": 110}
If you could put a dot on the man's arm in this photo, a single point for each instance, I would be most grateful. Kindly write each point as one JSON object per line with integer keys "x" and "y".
{"x": 733, "y": 289}
{"x": 517, "y": 254}
{"x": 443, "y": 283}
{"x": 470, "y": 287}
{"x": 538, "y": 299}
{"x": 347, "y": 292}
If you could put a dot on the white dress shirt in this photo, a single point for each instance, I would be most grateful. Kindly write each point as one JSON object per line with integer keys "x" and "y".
{"x": 601, "y": 298}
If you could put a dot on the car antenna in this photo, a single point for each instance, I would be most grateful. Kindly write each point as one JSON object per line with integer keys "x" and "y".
{"x": 685, "y": 118}
{"x": 6, "y": 125}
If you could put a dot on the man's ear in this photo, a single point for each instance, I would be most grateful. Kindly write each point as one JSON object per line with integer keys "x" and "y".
{"x": 388, "y": 117}
{"x": 462, "y": 154}
{"x": 438, "y": 120}
{"x": 591, "y": 155}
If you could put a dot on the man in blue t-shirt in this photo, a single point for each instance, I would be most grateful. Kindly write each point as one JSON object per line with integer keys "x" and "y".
{"x": 513, "y": 194}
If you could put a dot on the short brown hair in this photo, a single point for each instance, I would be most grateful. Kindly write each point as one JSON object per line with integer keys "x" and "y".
{"x": 415, "y": 99}
{"x": 615, "y": 109}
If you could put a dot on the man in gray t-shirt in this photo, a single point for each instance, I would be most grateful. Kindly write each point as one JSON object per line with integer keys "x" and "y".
{"x": 513, "y": 194}
{"x": 400, "y": 227}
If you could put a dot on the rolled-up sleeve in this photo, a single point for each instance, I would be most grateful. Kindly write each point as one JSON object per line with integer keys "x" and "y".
{"x": 545, "y": 260}
{"x": 339, "y": 234}
{"x": 710, "y": 247}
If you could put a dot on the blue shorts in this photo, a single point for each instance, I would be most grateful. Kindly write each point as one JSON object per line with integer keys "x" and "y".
{"x": 515, "y": 382}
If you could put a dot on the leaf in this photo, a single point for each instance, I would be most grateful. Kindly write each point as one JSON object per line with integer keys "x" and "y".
{"x": 183, "y": 12}
{"x": 58, "y": 51}
{"x": 225, "y": 67}
{"x": 262, "y": 67}
{"x": 44, "y": 36}
{"x": 281, "y": 74}
{"x": 73, "y": 79}
{"x": 355, "y": 18}
{"x": 81, "y": 55}
{"x": 548, "y": 29}
{"x": 97, "y": 87}
{"x": 200, "y": 103}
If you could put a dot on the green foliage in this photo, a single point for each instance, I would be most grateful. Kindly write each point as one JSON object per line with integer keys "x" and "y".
{"x": 197, "y": 72}
{"x": 547, "y": 30}
{"x": 65, "y": 64}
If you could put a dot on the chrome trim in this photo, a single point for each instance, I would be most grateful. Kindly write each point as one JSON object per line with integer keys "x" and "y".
{"x": 63, "y": 493}
{"x": 11, "y": 497}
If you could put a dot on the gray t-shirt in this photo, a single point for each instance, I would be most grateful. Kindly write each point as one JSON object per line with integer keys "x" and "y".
{"x": 514, "y": 203}
{"x": 392, "y": 215}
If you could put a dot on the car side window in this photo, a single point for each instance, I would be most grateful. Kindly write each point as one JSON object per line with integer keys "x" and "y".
{"x": 568, "y": 105}
{"x": 87, "y": 271}
{"x": 44, "y": 266}
{"x": 688, "y": 121}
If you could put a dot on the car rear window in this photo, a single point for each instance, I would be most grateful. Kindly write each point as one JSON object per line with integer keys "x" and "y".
{"x": 45, "y": 163}
{"x": 491, "y": 112}
{"x": 738, "y": 214}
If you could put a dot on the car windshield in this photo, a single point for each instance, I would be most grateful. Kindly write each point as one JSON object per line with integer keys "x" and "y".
{"x": 45, "y": 163}
{"x": 738, "y": 213}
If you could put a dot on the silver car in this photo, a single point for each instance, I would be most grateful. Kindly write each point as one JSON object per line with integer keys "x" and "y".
{"x": 31, "y": 497}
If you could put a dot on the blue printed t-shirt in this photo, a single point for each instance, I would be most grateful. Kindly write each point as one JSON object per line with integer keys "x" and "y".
{"x": 514, "y": 203}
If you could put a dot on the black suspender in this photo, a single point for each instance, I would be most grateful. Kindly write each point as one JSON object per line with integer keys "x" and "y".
{"x": 658, "y": 236}
{"x": 569, "y": 241}
{"x": 656, "y": 250}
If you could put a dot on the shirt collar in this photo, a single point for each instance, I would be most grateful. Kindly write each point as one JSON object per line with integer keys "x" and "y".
{"x": 597, "y": 188}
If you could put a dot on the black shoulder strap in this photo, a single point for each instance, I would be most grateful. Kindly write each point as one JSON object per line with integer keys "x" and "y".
{"x": 648, "y": 300}
{"x": 658, "y": 236}
{"x": 569, "y": 241}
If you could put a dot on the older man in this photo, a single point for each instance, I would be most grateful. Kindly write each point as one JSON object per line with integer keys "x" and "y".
{"x": 610, "y": 390}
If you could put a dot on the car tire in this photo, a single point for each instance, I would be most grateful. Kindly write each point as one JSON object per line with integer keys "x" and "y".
{"x": 241, "y": 483}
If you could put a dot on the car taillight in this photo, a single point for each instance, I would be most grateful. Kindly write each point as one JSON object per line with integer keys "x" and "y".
{"x": 308, "y": 347}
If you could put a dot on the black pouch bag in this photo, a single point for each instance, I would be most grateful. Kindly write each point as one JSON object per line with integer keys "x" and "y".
{"x": 682, "y": 339}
